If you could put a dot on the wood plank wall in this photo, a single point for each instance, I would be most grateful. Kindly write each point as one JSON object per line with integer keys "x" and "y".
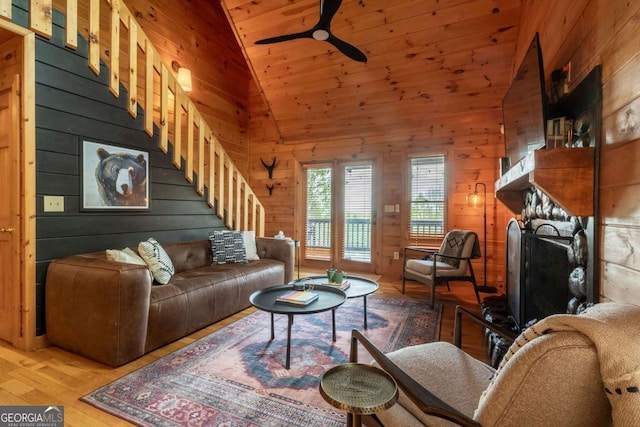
{"x": 590, "y": 32}
{"x": 471, "y": 142}
{"x": 73, "y": 104}
{"x": 205, "y": 45}
{"x": 11, "y": 59}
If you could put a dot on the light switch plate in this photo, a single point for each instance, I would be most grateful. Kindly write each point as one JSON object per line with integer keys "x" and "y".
{"x": 54, "y": 203}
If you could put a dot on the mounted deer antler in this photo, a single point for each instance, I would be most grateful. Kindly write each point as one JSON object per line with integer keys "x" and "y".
{"x": 270, "y": 188}
{"x": 270, "y": 167}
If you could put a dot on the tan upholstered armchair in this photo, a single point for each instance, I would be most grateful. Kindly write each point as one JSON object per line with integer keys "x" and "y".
{"x": 568, "y": 370}
{"x": 450, "y": 263}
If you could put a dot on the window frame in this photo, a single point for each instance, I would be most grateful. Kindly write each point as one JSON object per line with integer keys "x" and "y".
{"x": 432, "y": 239}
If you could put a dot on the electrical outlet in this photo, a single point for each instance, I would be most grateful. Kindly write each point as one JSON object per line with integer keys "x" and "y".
{"x": 396, "y": 255}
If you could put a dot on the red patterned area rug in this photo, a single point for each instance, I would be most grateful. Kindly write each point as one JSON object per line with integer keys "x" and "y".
{"x": 235, "y": 377}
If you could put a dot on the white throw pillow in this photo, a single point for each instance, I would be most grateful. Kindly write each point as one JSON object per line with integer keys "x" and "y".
{"x": 157, "y": 259}
{"x": 128, "y": 256}
{"x": 250, "y": 245}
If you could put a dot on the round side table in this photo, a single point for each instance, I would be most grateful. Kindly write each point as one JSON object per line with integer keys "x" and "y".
{"x": 358, "y": 389}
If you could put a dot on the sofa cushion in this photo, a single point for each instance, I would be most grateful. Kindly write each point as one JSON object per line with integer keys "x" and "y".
{"x": 228, "y": 247}
{"x": 157, "y": 259}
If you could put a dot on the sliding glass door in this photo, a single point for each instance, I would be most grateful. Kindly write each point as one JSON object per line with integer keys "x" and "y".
{"x": 340, "y": 216}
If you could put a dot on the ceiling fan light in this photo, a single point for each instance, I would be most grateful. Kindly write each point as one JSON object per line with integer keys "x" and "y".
{"x": 320, "y": 35}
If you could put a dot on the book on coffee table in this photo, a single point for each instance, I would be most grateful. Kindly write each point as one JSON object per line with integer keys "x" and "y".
{"x": 342, "y": 286}
{"x": 297, "y": 298}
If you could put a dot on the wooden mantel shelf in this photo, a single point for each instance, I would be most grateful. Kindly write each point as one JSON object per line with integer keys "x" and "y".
{"x": 564, "y": 174}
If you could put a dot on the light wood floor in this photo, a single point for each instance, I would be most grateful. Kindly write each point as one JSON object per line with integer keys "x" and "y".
{"x": 52, "y": 376}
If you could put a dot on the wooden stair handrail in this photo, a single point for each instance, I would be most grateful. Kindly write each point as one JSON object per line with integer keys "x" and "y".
{"x": 244, "y": 210}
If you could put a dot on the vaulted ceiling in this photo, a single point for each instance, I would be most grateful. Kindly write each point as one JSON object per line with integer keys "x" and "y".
{"x": 427, "y": 59}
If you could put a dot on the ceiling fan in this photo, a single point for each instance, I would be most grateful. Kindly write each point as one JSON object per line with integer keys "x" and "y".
{"x": 322, "y": 31}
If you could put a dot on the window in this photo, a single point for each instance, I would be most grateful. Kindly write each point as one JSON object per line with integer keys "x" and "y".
{"x": 318, "y": 213}
{"x": 427, "y": 200}
{"x": 358, "y": 190}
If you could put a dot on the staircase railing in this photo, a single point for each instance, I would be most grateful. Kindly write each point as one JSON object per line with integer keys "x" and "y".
{"x": 166, "y": 105}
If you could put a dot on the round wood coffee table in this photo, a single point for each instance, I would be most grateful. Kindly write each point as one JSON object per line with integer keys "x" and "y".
{"x": 329, "y": 298}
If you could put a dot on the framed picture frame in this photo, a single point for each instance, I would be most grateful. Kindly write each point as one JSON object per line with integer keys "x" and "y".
{"x": 113, "y": 177}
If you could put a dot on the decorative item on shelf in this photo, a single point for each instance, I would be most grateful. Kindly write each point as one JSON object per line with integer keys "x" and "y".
{"x": 583, "y": 133}
{"x": 559, "y": 132}
{"x": 474, "y": 200}
{"x": 560, "y": 82}
{"x": 505, "y": 165}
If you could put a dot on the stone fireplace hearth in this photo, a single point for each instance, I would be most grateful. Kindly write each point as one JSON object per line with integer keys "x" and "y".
{"x": 550, "y": 268}
{"x": 555, "y": 261}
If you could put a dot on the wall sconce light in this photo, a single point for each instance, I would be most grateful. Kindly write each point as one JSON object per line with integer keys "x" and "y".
{"x": 184, "y": 76}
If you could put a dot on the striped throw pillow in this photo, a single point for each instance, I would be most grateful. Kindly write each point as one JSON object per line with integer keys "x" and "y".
{"x": 157, "y": 259}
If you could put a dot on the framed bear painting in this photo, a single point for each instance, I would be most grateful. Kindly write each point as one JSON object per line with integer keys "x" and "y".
{"x": 114, "y": 178}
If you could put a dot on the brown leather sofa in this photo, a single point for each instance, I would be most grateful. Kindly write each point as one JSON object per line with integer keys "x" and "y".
{"x": 113, "y": 313}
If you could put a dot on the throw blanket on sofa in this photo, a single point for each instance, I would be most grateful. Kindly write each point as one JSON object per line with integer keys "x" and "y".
{"x": 614, "y": 330}
{"x": 454, "y": 243}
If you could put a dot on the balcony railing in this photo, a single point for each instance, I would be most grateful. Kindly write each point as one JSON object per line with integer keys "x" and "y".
{"x": 427, "y": 227}
{"x": 358, "y": 233}
{"x": 357, "y": 237}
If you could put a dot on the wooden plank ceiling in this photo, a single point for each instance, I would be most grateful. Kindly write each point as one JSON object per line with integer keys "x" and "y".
{"x": 427, "y": 60}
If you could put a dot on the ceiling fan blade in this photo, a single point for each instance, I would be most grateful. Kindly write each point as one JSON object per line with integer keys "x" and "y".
{"x": 286, "y": 37}
{"x": 348, "y": 49}
{"x": 328, "y": 9}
